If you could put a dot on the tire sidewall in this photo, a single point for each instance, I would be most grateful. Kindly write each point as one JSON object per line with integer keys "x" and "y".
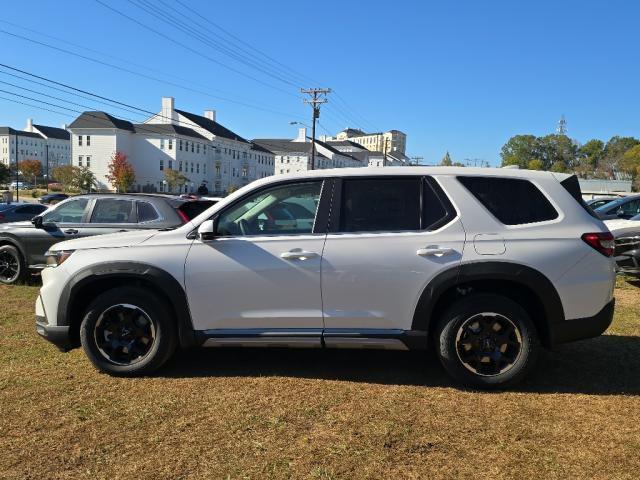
{"x": 165, "y": 337}
{"x": 459, "y": 313}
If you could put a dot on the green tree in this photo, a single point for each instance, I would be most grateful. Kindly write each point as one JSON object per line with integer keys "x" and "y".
{"x": 5, "y": 173}
{"x": 535, "y": 164}
{"x": 555, "y": 149}
{"x": 121, "y": 173}
{"x": 519, "y": 150}
{"x": 614, "y": 150}
{"x": 174, "y": 179}
{"x": 630, "y": 164}
{"x": 559, "y": 166}
{"x": 446, "y": 160}
{"x": 83, "y": 179}
{"x": 458, "y": 164}
{"x": 64, "y": 174}
{"x": 591, "y": 153}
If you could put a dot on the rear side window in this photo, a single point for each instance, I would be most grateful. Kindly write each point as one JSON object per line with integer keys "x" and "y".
{"x": 147, "y": 212}
{"x": 513, "y": 201}
{"x": 370, "y": 205}
{"x": 109, "y": 210}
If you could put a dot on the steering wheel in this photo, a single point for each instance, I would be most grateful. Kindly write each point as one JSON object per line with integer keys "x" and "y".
{"x": 245, "y": 228}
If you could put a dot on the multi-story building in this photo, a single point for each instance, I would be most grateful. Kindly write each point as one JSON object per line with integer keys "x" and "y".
{"x": 35, "y": 143}
{"x": 295, "y": 155}
{"x": 390, "y": 142}
{"x": 368, "y": 157}
{"x": 198, "y": 147}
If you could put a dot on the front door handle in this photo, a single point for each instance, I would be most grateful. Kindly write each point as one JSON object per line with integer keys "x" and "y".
{"x": 71, "y": 231}
{"x": 297, "y": 254}
{"x": 434, "y": 251}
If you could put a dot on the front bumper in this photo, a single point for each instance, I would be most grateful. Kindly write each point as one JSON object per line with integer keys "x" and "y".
{"x": 58, "y": 335}
{"x": 570, "y": 330}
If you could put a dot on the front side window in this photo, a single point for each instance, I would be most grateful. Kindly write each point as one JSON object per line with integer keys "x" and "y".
{"x": 513, "y": 201}
{"x": 283, "y": 210}
{"x": 380, "y": 204}
{"x": 68, "y": 212}
{"x": 109, "y": 210}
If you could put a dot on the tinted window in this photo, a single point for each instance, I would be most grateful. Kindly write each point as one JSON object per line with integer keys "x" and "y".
{"x": 110, "y": 210}
{"x": 283, "y": 210}
{"x": 68, "y": 212}
{"x": 31, "y": 209}
{"x": 195, "y": 207}
{"x": 147, "y": 212}
{"x": 512, "y": 201}
{"x": 629, "y": 209}
{"x": 437, "y": 210}
{"x": 385, "y": 204}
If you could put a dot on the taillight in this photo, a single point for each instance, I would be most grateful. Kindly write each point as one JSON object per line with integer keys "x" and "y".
{"x": 601, "y": 241}
{"x": 184, "y": 218}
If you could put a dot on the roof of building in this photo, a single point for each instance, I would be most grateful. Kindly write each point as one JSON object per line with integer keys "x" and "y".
{"x": 166, "y": 129}
{"x": 276, "y": 145}
{"x": 345, "y": 143}
{"x": 260, "y": 148}
{"x": 53, "y": 132}
{"x": 353, "y": 132}
{"x": 12, "y": 131}
{"x": 100, "y": 120}
{"x": 211, "y": 126}
{"x": 365, "y": 155}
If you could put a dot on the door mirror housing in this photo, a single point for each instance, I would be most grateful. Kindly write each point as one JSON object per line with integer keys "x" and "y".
{"x": 37, "y": 221}
{"x": 620, "y": 212}
{"x": 206, "y": 231}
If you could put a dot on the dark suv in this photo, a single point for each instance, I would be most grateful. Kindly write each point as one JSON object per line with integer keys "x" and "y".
{"x": 23, "y": 244}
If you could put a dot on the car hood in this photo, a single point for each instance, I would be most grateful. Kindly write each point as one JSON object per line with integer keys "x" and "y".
{"x": 111, "y": 240}
{"x": 620, "y": 227}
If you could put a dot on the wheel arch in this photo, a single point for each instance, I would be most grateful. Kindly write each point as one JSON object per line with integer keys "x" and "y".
{"x": 14, "y": 242}
{"x": 525, "y": 285}
{"x": 95, "y": 279}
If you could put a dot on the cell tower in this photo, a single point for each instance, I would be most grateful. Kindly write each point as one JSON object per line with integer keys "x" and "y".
{"x": 562, "y": 126}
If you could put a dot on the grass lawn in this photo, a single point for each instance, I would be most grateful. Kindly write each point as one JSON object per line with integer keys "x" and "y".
{"x": 316, "y": 414}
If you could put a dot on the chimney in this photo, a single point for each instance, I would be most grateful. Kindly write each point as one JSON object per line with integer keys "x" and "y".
{"x": 210, "y": 114}
{"x": 168, "y": 114}
{"x": 64, "y": 126}
{"x": 29, "y": 125}
{"x": 302, "y": 135}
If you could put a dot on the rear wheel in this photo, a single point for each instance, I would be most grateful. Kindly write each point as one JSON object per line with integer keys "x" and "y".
{"x": 487, "y": 341}
{"x": 12, "y": 267}
{"x": 128, "y": 332}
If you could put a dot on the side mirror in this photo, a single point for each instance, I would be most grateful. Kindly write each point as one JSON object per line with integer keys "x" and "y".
{"x": 620, "y": 212}
{"x": 206, "y": 231}
{"x": 37, "y": 221}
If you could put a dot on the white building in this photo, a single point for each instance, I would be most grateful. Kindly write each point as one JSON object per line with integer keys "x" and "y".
{"x": 368, "y": 157}
{"x": 390, "y": 142}
{"x": 295, "y": 155}
{"x": 197, "y": 146}
{"x": 34, "y": 143}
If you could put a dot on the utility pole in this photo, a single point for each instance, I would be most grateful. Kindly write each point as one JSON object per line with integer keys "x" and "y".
{"x": 318, "y": 97}
{"x": 385, "y": 148}
{"x": 17, "y": 172}
{"x": 46, "y": 147}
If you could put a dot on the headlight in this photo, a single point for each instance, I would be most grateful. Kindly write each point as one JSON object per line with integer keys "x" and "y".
{"x": 58, "y": 257}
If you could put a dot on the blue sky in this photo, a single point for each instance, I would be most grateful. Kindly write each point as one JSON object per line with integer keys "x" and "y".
{"x": 461, "y": 76}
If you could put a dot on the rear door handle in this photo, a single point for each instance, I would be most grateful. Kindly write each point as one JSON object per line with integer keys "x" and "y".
{"x": 71, "y": 231}
{"x": 298, "y": 254}
{"x": 434, "y": 251}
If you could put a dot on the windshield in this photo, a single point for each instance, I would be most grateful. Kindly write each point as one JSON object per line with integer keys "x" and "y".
{"x": 609, "y": 205}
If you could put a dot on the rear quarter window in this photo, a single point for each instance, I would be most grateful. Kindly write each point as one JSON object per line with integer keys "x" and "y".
{"x": 513, "y": 201}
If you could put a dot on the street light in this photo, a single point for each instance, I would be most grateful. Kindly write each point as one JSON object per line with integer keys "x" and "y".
{"x": 299, "y": 123}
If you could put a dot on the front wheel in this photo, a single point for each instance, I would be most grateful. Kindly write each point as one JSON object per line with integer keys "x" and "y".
{"x": 12, "y": 267}
{"x": 487, "y": 341}
{"x": 127, "y": 331}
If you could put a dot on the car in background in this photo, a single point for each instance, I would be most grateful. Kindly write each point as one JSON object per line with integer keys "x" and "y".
{"x": 23, "y": 244}
{"x": 625, "y": 208}
{"x": 599, "y": 202}
{"x": 21, "y": 185}
{"x": 52, "y": 198}
{"x": 16, "y": 212}
{"x": 627, "y": 244}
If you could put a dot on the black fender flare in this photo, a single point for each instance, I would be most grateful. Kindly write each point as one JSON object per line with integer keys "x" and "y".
{"x": 475, "y": 271}
{"x": 159, "y": 279}
{"x": 14, "y": 242}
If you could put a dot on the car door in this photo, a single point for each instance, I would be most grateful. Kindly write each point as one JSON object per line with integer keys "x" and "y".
{"x": 58, "y": 224}
{"x": 260, "y": 276}
{"x": 109, "y": 215}
{"x": 388, "y": 238}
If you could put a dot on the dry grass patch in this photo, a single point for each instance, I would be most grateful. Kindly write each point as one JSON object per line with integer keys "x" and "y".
{"x": 315, "y": 414}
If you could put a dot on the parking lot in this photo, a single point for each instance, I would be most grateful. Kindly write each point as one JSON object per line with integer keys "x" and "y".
{"x": 316, "y": 414}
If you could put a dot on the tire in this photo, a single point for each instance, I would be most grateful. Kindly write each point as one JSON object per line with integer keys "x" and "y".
{"x": 12, "y": 266}
{"x": 487, "y": 341}
{"x": 128, "y": 332}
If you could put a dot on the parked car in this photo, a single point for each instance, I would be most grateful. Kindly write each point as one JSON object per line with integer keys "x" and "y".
{"x": 23, "y": 244}
{"x": 52, "y": 198}
{"x": 483, "y": 265}
{"x": 16, "y": 212}
{"x": 626, "y": 208}
{"x": 627, "y": 244}
{"x": 598, "y": 202}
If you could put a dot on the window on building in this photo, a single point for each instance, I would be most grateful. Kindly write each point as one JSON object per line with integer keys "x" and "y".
{"x": 170, "y": 164}
{"x": 88, "y": 140}
{"x": 198, "y": 148}
{"x": 191, "y": 167}
{"x": 180, "y": 144}
{"x": 79, "y": 140}
{"x": 80, "y": 161}
{"x": 162, "y": 144}
{"x": 197, "y": 168}
{"x": 88, "y": 162}
{"x": 161, "y": 165}
{"x": 180, "y": 166}
{"x": 170, "y": 144}
{"x": 192, "y": 147}
{"x": 204, "y": 168}
{"x": 217, "y": 170}
{"x": 513, "y": 201}
{"x": 245, "y": 171}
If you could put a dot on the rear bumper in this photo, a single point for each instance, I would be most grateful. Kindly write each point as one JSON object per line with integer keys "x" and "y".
{"x": 581, "y": 328}
{"x": 58, "y": 335}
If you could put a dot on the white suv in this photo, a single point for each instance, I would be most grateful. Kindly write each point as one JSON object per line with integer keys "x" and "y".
{"x": 484, "y": 265}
